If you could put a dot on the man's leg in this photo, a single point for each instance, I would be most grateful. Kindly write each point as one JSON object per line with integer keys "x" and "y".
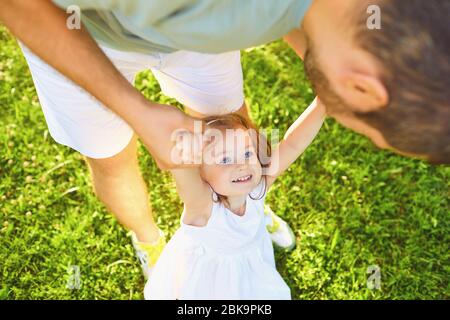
{"x": 119, "y": 185}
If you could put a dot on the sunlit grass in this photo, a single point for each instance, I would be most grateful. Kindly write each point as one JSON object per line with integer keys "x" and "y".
{"x": 351, "y": 206}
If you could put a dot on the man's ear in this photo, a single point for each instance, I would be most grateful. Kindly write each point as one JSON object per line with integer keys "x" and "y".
{"x": 363, "y": 93}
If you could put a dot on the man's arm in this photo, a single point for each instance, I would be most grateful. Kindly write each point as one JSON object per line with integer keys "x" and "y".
{"x": 41, "y": 26}
{"x": 298, "y": 137}
{"x": 297, "y": 41}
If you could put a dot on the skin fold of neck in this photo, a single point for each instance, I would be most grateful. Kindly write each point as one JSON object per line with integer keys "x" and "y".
{"x": 237, "y": 204}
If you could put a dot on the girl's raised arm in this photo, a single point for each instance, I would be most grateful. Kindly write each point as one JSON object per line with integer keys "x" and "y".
{"x": 298, "y": 137}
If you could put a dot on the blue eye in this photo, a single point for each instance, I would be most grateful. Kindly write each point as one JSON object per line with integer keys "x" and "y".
{"x": 248, "y": 154}
{"x": 225, "y": 160}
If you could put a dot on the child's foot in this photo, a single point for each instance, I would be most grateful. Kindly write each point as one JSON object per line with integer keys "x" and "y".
{"x": 148, "y": 253}
{"x": 280, "y": 232}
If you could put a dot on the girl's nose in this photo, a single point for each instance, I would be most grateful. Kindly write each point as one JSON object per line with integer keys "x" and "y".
{"x": 243, "y": 166}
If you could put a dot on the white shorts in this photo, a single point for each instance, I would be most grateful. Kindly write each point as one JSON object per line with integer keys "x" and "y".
{"x": 207, "y": 83}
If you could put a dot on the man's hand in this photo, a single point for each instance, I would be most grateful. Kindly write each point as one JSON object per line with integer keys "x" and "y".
{"x": 158, "y": 127}
{"x": 188, "y": 149}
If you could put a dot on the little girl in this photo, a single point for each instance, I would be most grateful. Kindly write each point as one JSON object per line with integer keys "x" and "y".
{"x": 222, "y": 249}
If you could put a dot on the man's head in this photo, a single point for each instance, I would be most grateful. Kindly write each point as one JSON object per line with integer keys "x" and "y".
{"x": 390, "y": 84}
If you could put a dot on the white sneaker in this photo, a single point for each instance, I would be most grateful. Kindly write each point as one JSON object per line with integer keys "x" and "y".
{"x": 148, "y": 253}
{"x": 281, "y": 234}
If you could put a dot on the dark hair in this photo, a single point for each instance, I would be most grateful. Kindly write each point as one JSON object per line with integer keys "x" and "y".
{"x": 413, "y": 46}
{"x": 235, "y": 121}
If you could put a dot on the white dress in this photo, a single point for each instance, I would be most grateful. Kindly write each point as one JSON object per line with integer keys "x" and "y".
{"x": 229, "y": 258}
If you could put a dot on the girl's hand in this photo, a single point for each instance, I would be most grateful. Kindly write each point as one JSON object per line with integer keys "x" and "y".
{"x": 188, "y": 147}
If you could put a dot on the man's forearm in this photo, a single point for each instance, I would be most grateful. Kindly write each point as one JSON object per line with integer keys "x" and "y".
{"x": 41, "y": 26}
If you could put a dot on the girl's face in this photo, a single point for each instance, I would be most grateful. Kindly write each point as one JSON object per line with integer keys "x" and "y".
{"x": 231, "y": 165}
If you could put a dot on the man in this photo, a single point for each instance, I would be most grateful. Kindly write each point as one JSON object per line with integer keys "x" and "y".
{"x": 388, "y": 84}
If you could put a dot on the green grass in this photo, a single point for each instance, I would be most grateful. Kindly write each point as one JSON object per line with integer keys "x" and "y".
{"x": 351, "y": 205}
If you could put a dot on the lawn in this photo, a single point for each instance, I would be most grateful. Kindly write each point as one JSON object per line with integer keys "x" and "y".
{"x": 351, "y": 206}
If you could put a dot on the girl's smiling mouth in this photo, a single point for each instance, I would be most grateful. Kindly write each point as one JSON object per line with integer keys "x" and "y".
{"x": 243, "y": 179}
